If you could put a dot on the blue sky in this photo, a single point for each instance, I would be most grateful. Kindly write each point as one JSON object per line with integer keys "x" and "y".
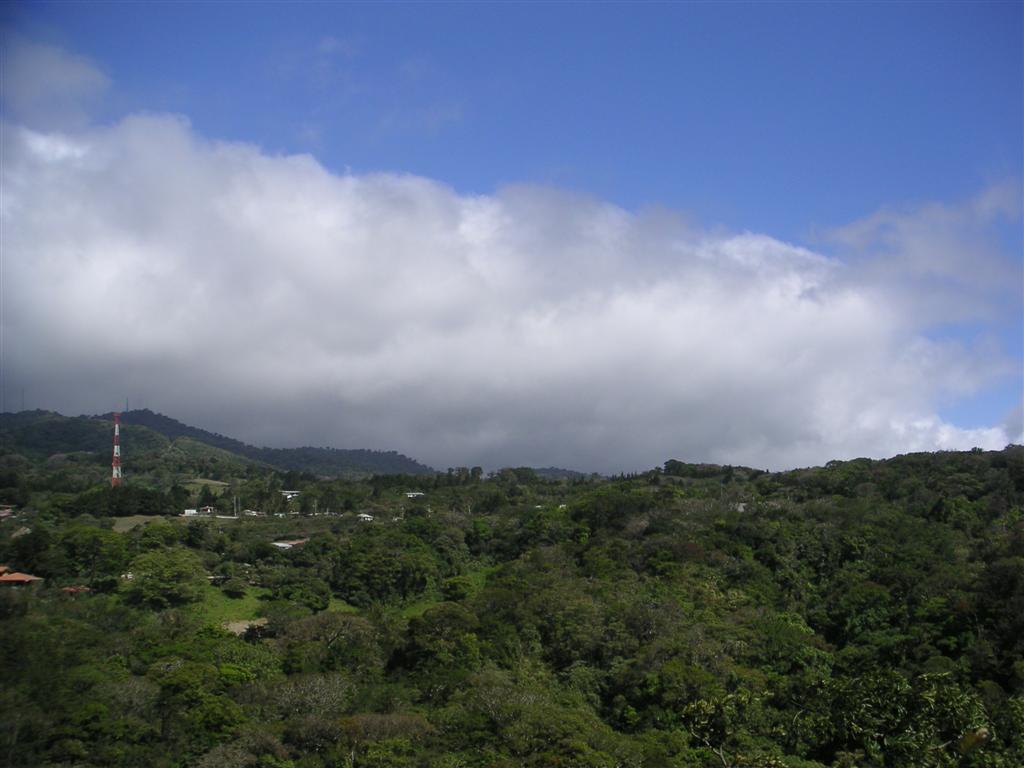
{"x": 789, "y": 120}
{"x": 771, "y": 117}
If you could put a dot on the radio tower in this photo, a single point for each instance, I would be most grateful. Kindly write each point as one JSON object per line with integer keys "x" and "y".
{"x": 115, "y": 465}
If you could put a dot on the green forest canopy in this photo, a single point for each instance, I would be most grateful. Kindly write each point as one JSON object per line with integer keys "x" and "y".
{"x": 865, "y": 613}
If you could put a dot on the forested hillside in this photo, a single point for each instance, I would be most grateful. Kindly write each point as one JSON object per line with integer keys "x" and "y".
{"x": 866, "y": 613}
{"x": 43, "y": 434}
{"x": 332, "y": 462}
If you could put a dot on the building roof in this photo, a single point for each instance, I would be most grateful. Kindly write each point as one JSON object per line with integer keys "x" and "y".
{"x": 289, "y": 544}
{"x": 16, "y": 577}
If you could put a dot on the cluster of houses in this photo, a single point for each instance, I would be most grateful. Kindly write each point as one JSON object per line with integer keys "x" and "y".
{"x": 209, "y": 511}
{"x": 11, "y": 578}
{"x": 212, "y": 512}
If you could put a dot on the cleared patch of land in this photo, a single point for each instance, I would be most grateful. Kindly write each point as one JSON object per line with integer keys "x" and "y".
{"x": 196, "y": 486}
{"x": 125, "y": 524}
{"x": 218, "y": 608}
{"x": 239, "y": 627}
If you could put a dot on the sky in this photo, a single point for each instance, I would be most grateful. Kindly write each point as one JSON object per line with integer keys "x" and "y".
{"x": 596, "y": 236}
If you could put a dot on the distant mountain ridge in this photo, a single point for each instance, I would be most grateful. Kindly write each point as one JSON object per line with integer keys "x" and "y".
{"x": 45, "y": 433}
{"x": 334, "y": 462}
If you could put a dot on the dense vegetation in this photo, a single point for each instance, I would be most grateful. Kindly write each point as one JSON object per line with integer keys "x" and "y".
{"x": 867, "y": 613}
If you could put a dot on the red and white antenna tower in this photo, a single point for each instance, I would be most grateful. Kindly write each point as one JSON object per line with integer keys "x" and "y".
{"x": 115, "y": 465}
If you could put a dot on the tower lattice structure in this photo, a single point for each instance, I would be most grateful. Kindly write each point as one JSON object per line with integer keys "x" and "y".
{"x": 115, "y": 465}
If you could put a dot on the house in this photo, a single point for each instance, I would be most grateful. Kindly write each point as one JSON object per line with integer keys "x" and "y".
{"x": 6, "y": 511}
{"x": 206, "y": 511}
{"x": 17, "y": 579}
{"x": 414, "y": 494}
{"x": 364, "y": 517}
{"x": 77, "y": 589}
{"x": 289, "y": 495}
{"x": 288, "y": 544}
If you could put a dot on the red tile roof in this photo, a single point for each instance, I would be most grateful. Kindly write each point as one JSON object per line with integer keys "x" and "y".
{"x": 14, "y": 577}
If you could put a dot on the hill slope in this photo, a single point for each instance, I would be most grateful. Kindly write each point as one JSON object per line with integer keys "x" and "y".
{"x": 41, "y": 434}
{"x": 335, "y": 462}
{"x": 152, "y": 439}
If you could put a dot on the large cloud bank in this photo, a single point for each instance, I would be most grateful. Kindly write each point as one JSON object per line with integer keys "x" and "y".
{"x": 268, "y": 298}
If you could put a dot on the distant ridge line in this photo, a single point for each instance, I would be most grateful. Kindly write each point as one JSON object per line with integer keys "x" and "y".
{"x": 317, "y": 461}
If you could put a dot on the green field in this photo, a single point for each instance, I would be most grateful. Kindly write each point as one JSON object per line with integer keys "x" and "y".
{"x": 196, "y": 485}
{"x": 217, "y": 608}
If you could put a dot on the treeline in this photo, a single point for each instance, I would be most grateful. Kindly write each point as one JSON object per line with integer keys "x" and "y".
{"x": 859, "y": 614}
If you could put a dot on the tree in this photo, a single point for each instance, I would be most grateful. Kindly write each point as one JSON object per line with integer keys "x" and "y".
{"x": 165, "y": 577}
{"x": 94, "y": 554}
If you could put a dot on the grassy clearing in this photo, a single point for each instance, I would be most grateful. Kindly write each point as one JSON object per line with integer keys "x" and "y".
{"x": 477, "y": 578}
{"x": 217, "y": 608}
{"x": 340, "y": 606}
{"x": 417, "y": 609}
{"x": 196, "y": 486}
{"x": 125, "y": 524}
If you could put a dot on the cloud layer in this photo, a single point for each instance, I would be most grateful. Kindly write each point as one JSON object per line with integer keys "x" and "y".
{"x": 269, "y": 298}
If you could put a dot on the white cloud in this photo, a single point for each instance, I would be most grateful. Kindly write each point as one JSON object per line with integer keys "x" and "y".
{"x": 265, "y": 297}
{"x": 951, "y": 254}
